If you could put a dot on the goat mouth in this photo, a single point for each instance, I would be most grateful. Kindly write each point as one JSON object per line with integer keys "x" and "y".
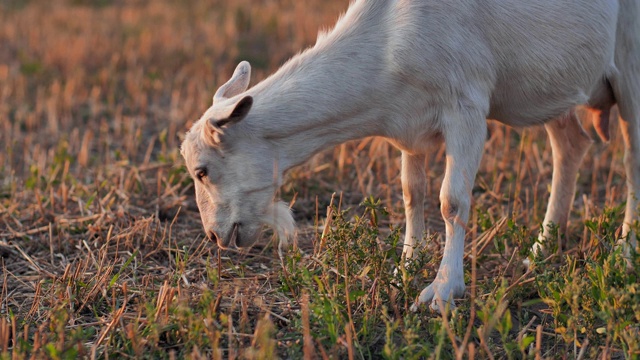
{"x": 233, "y": 238}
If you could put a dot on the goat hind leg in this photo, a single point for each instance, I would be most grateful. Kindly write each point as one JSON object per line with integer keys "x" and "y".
{"x": 569, "y": 144}
{"x": 627, "y": 91}
{"x": 625, "y": 83}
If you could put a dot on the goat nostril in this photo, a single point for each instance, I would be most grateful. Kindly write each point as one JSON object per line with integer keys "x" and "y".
{"x": 237, "y": 224}
{"x": 212, "y": 235}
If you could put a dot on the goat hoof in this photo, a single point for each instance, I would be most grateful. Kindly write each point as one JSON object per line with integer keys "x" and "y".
{"x": 626, "y": 253}
{"x": 398, "y": 273}
{"x": 441, "y": 294}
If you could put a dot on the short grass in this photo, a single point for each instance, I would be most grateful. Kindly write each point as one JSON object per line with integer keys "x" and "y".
{"x": 102, "y": 253}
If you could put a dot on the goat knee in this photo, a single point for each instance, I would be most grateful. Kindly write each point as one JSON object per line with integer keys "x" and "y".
{"x": 449, "y": 211}
{"x": 454, "y": 210}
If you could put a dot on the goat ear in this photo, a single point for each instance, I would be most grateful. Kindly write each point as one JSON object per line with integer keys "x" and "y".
{"x": 225, "y": 117}
{"x": 233, "y": 113}
{"x": 238, "y": 83}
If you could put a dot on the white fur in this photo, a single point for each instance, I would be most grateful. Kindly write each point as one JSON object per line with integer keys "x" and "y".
{"x": 280, "y": 219}
{"x": 415, "y": 72}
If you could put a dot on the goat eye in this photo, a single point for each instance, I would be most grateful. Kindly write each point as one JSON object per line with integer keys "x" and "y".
{"x": 201, "y": 174}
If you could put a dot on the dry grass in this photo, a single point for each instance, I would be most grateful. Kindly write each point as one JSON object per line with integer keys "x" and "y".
{"x": 102, "y": 253}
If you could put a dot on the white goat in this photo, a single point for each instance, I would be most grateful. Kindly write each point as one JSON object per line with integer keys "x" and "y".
{"x": 415, "y": 72}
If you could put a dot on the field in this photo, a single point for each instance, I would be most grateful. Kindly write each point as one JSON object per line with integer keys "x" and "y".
{"x": 102, "y": 253}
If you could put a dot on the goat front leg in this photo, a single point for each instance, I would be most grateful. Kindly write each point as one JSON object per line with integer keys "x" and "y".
{"x": 413, "y": 189}
{"x": 569, "y": 144}
{"x": 464, "y": 134}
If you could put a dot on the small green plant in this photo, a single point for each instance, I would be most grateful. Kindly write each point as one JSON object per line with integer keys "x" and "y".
{"x": 351, "y": 281}
{"x": 595, "y": 300}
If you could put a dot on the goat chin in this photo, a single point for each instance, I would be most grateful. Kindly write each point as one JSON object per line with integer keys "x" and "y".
{"x": 280, "y": 219}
